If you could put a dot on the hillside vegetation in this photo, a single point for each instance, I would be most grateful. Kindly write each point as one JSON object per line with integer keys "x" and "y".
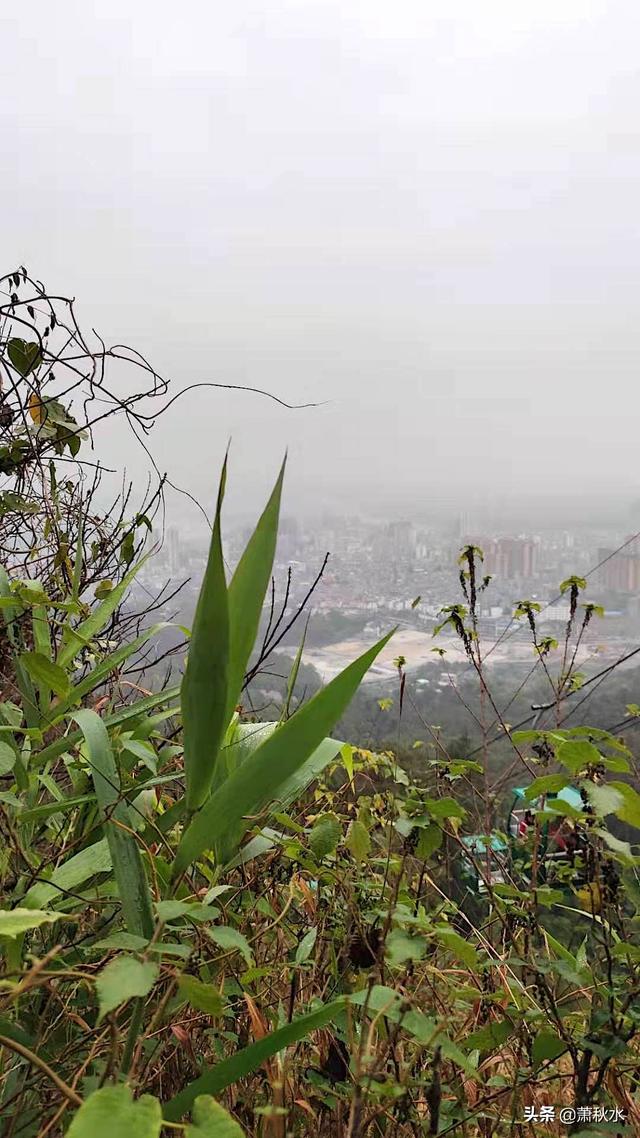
{"x": 216, "y": 926}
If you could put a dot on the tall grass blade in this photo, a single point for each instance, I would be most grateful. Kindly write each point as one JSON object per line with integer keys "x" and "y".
{"x": 229, "y": 812}
{"x": 73, "y": 639}
{"x": 247, "y": 591}
{"x": 125, "y": 853}
{"x": 228, "y": 1071}
{"x": 205, "y": 682}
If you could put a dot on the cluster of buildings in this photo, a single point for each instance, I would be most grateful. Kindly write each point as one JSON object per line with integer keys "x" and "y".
{"x": 379, "y": 568}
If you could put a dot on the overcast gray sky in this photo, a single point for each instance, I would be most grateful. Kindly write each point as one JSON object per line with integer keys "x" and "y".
{"x": 425, "y": 212}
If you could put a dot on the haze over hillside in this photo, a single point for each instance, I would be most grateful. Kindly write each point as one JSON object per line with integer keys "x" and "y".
{"x": 424, "y": 217}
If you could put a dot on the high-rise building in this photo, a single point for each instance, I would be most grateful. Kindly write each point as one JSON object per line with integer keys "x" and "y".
{"x": 620, "y": 571}
{"x": 509, "y": 557}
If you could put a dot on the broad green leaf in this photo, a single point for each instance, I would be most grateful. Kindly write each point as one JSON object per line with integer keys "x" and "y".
{"x": 204, "y": 997}
{"x": 308, "y": 771}
{"x": 402, "y": 946}
{"x": 123, "y": 979}
{"x": 489, "y": 1037}
{"x": 112, "y": 1111}
{"x": 243, "y": 1062}
{"x": 576, "y": 754}
{"x": 616, "y": 845}
{"x": 546, "y": 1045}
{"x": 14, "y": 922}
{"x": 429, "y": 840}
{"x": 210, "y": 1120}
{"x": 194, "y": 910}
{"x": 346, "y": 754}
{"x": 126, "y": 941}
{"x": 547, "y": 784}
{"x": 129, "y": 872}
{"x": 604, "y": 798}
{"x": 7, "y": 758}
{"x": 325, "y": 835}
{"x": 458, "y": 946}
{"x": 247, "y": 590}
{"x": 305, "y": 948}
{"x": 358, "y": 840}
{"x": 229, "y": 938}
{"x": 443, "y": 808}
{"x": 205, "y": 683}
{"x": 90, "y": 862}
{"x": 629, "y": 810}
{"x": 73, "y": 639}
{"x": 25, "y": 355}
{"x": 227, "y": 814}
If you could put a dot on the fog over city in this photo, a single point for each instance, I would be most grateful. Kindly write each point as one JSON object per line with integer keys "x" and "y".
{"x": 422, "y": 216}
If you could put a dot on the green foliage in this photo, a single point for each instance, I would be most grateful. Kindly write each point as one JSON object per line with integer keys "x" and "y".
{"x": 205, "y": 685}
{"x": 113, "y": 1110}
{"x": 121, "y": 980}
{"x": 199, "y": 902}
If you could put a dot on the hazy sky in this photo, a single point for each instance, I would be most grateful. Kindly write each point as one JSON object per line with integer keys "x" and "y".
{"x": 425, "y": 212}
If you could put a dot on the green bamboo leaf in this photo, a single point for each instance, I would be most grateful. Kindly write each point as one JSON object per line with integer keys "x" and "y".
{"x": 210, "y": 1120}
{"x": 227, "y": 814}
{"x": 112, "y": 1111}
{"x": 125, "y": 853}
{"x": 98, "y": 675}
{"x": 247, "y": 591}
{"x": 230, "y": 1070}
{"x": 42, "y": 645}
{"x": 8, "y": 758}
{"x": 14, "y": 922}
{"x": 73, "y": 639}
{"x": 45, "y": 673}
{"x": 246, "y": 739}
{"x": 90, "y": 862}
{"x": 116, "y": 719}
{"x": 205, "y": 683}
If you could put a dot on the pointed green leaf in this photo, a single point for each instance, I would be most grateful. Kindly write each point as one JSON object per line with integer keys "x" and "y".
{"x": 73, "y": 639}
{"x": 45, "y": 673}
{"x": 230, "y": 1070}
{"x": 358, "y": 841}
{"x": 228, "y": 813}
{"x": 546, "y": 1045}
{"x": 125, "y": 852}
{"x": 247, "y": 591}
{"x": 14, "y": 922}
{"x": 7, "y": 758}
{"x": 89, "y": 862}
{"x": 205, "y": 682}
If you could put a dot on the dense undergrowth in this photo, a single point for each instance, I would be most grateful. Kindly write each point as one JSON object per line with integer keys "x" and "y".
{"x": 216, "y": 926}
